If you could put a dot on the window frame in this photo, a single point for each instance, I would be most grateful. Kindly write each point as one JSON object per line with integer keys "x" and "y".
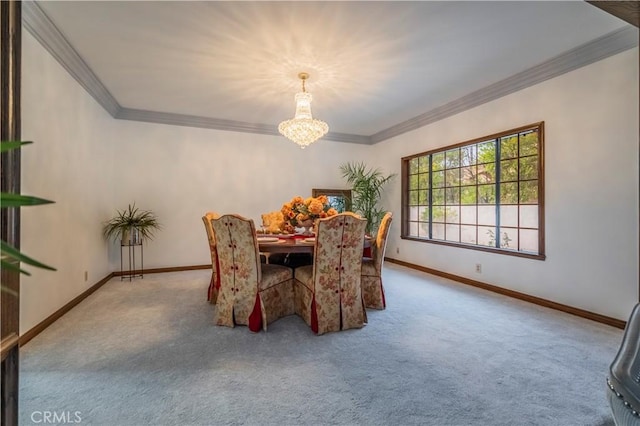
{"x": 405, "y": 161}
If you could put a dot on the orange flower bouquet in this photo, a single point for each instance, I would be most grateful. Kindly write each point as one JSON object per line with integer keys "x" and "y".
{"x": 300, "y": 212}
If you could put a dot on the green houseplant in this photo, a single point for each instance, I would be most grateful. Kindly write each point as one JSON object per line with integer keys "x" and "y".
{"x": 131, "y": 224}
{"x": 11, "y": 257}
{"x": 366, "y": 191}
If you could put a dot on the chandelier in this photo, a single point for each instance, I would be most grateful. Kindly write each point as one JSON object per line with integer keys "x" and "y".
{"x": 303, "y": 129}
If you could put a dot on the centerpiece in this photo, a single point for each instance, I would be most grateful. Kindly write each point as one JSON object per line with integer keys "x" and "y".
{"x": 302, "y": 213}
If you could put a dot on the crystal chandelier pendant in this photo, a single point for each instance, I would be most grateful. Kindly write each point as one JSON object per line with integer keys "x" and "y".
{"x": 303, "y": 129}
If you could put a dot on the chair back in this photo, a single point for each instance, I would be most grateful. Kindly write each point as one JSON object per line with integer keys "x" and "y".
{"x": 337, "y": 272}
{"x": 210, "y": 234}
{"x": 239, "y": 264}
{"x": 379, "y": 247}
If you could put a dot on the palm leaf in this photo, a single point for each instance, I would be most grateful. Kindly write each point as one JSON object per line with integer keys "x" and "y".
{"x": 12, "y": 255}
{"x": 18, "y": 200}
{"x": 9, "y": 145}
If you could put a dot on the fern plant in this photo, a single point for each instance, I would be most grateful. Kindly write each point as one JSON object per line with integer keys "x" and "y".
{"x": 367, "y": 185}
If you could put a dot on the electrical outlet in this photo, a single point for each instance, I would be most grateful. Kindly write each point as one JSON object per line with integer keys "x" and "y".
{"x": 86, "y": 276}
{"x": 397, "y": 250}
{"x": 479, "y": 268}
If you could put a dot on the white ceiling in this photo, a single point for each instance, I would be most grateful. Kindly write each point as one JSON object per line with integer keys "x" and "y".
{"x": 373, "y": 65}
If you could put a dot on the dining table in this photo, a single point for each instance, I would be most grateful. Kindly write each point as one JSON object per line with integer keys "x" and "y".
{"x": 294, "y": 243}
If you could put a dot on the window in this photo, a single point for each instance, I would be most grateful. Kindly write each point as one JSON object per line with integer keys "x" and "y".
{"x": 485, "y": 194}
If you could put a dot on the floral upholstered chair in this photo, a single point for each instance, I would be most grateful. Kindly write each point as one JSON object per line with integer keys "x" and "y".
{"x": 328, "y": 294}
{"x": 372, "y": 289}
{"x": 212, "y": 293}
{"x": 251, "y": 293}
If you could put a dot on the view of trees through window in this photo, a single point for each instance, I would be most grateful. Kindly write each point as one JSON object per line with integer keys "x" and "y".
{"x": 483, "y": 193}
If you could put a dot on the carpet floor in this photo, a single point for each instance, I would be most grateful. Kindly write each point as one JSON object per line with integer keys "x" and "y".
{"x": 146, "y": 352}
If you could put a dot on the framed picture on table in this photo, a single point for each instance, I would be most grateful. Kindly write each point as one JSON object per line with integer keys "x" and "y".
{"x": 339, "y": 199}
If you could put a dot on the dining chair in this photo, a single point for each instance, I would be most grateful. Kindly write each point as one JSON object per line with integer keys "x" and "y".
{"x": 251, "y": 293}
{"x": 328, "y": 294}
{"x": 372, "y": 288}
{"x": 214, "y": 285}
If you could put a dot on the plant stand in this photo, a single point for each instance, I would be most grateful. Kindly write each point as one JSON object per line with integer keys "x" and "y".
{"x": 131, "y": 271}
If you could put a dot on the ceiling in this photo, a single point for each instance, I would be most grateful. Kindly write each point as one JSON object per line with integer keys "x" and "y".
{"x": 375, "y": 67}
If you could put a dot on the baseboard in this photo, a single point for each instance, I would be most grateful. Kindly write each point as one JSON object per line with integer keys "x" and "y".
{"x": 33, "y": 332}
{"x": 515, "y": 294}
{"x": 24, "y": 339}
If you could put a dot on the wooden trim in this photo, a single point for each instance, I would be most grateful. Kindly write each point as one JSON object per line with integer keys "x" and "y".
{"x": 8, "y": 343}
{"x": 26, "y": 337}
{"x": 628, "y": 11}
{"x": 169, "y": 269}
{"x": 515, "y": 294}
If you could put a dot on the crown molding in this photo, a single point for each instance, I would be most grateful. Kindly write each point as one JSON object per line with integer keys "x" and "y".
{"x": 218, "y": 124}
{"x": 600, "y": 48}
{"x": 44, "y": 30}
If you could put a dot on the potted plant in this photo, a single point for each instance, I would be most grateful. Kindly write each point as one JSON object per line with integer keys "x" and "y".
{"x": 366, "y": 191}
{"x": 131, "y": 225}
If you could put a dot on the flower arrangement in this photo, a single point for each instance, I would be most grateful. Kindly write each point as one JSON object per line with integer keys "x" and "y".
{"x": 303, "y": 212}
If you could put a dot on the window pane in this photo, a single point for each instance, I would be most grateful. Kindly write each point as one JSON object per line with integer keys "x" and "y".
{"x": 413, "y": 166}
{"x": 453, "y": 233}
{"x": 487, "y": 236}
{"x": 529, "y": 216}
{"x": 413, "y": 213}
{"x": 413, "y": 182}
{"x": 509, "y": 193}
{"x": 423, "y": 197}
{"x": 508, "y": 170}
{"x": 468, "y": 175}
{"x": 413, "y": 229}
{"x": 423, "y": 164}
{"x": 487, "y": 152}
{"x": 487, "y": 173}
{"x": 438, "y": 197}
{"x": 438, "y": 231}
{"x": 437, "y": 178}
{"x": 487, "y": 215}
{"x": 468, "y": 215}
{"x": 529, "y": 167}
{"x": 509, "y": 238}
{"x": 509, "y": 215}
{"x": 509, "y": 146}
{"x": 529, "y": 192}
{"x": 529, "y": 143}
{"x": 414, "y": 198}
{"x": 452, "y": 214}
{"x": 423, "y": 180}
{"x": 438, "y": 214}
{"x": 468, "y": 155}
{"x": 424, "y": 230}
{"x": 452, "y": 158}
{"x": 453, "y": 177}
{"x": 468, "y": 195}
{"x": 468, "y": 234}
{"x": 423, "y": 214}
{"x": 437, "y": 161}
{"x": 452, "y": 195}
{"x": 529, "y": 240}
{"x": 486, "y": 194}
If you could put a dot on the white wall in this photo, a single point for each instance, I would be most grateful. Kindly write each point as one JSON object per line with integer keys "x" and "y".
{"x": 70, "y": 162}
{"x": 91, "y": 165}
{"x": 180, "y": 173}
{"x": 591, "y": 176}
